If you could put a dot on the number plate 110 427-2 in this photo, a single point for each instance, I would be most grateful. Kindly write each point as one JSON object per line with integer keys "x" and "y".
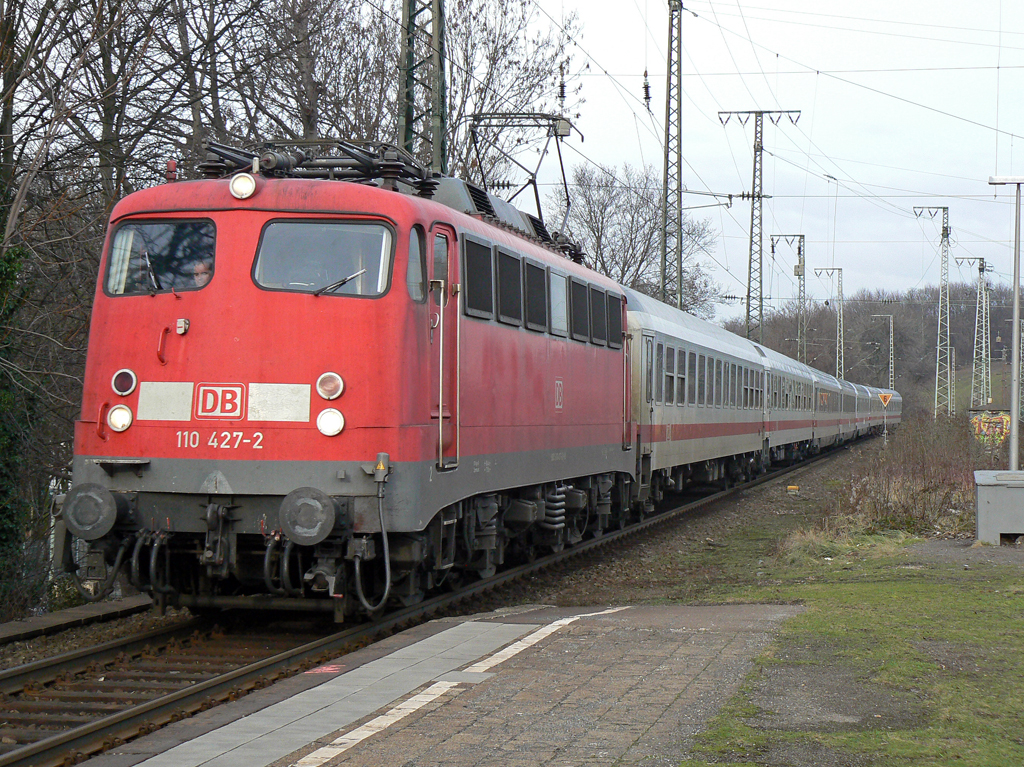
{"x": 224, "y": 440}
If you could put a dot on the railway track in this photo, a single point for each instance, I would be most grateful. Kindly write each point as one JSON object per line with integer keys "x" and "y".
{"x": 60, "y": 710}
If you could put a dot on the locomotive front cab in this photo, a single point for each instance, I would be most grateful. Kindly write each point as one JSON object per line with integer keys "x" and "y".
{"x": 253, "y": 376}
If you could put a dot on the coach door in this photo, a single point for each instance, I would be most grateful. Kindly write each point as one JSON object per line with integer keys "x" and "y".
{"x": 445, "y": 300}
{"x": 647, "y": 405}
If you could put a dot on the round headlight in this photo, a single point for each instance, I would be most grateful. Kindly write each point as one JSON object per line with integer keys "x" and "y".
{"x": 330, "y": 422}
{"x": 119, "y": 418}
{"x": 242, "y": 186}
{"x": 330, "y": 386}
{"x": 124, "y": 382}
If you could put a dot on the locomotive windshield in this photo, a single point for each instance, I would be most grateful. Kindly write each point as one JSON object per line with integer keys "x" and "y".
{"x": 324, "y": 257}
{"x": 157, "y": 256}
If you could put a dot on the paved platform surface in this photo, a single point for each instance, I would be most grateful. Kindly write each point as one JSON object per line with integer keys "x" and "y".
{"x": 51, "y": 623}
{"x": 529, "y": 686}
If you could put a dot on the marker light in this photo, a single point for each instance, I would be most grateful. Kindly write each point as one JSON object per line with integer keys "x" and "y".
{"x": 124, "y": 382}
{"x": 330, "y": 386}
{"x": 330, "y": 422}
{"x": 242, "y": 186}
{"x": 119, "y": 418}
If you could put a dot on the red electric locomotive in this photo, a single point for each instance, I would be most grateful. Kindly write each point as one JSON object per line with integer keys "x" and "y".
{"x": 305, "y": 390}
{"x": 333, "y": 382}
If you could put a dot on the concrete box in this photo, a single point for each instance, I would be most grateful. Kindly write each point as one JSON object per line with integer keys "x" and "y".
{"x": 999, "y": 504}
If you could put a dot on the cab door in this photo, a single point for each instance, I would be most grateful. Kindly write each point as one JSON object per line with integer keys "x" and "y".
{"x": 445, "y": 302}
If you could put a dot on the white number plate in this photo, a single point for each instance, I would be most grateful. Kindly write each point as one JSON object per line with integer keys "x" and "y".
{"x": 222, "y": 440}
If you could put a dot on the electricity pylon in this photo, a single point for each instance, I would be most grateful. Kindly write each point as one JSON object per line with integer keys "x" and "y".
{"x": 892, "y": 356}
{"x": 944, "y": 366}
{"x": 981, "y": 377}
{"x": 672, "y": 188}
{"x": 755, "y": 295}
{"x": 800, "y": 273}
{"x": 422, "y": 96}
{"x": 840, "y": 332}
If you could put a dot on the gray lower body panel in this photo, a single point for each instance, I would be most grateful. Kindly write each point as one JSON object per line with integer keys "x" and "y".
{"x": 173, "y": 492}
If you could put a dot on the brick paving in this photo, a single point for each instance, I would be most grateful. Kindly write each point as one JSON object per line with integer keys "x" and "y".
{"x": 627, "y": 688}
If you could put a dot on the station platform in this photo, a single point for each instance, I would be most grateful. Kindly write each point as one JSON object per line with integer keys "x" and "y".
{"x": 525, "y": 686}
{"x": 61, "y": 620}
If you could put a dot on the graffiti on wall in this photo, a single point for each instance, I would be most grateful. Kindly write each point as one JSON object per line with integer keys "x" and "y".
{"x": 991, "y": 429}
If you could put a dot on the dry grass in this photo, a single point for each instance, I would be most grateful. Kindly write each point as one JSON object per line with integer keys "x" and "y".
{"x": 921, "y": 484}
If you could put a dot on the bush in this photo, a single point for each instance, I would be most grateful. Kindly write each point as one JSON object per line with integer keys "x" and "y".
{"x": 921, "y": 484}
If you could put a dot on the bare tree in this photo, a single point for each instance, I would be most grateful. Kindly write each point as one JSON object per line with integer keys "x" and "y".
{"x": 502, "y": 58}
{"x": 616, "y": 217}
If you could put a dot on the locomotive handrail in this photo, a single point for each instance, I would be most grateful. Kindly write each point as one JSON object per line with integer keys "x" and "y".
{"x": 457, "y": 292}
{"x": 441, "y": 286}
{"x": 164, "y": 332}
{"x": 101, "y": 418}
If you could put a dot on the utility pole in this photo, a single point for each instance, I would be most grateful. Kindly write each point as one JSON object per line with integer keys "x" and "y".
{"x": 672, "y": 188}
{"x": 800, "y": 273}
{"x": 422, "y": 97}
{"x": 892, "y": 356}
{"x": 840, "y": 333}
{"x": 944, "y": 365}
{"x": 981, "y": 377}
{"x": 755, "y": 296}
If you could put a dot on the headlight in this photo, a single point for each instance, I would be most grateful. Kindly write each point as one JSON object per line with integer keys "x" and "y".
{"x": 124, "y": 382}
{"x": 242, "y": 186}
{"x": 330, "y": 386}
{"x": 330, "y": 422}
{"x": 119, "y": 418}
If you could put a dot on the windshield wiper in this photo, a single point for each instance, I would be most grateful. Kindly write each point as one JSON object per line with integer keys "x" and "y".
{"x": 339, "y": 283}
{"x": 152, "y": 275}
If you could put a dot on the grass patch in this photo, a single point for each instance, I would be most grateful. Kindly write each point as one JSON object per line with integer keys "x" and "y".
{"x": 904, "y": 660}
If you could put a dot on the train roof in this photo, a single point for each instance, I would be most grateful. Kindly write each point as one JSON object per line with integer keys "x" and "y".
{"x": 667, "y": 319}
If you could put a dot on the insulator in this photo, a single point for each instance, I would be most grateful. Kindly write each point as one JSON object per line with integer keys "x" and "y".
{"x": 647, "y": 92}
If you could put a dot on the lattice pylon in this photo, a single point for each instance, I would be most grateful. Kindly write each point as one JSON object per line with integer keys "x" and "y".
{"x": 672, "y": 188}
{"x": 945, "y": 365}
{"x": 422, "y": 94}
{"x": 981, "y": 374}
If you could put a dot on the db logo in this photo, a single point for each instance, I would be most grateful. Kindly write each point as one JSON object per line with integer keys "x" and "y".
{"x": 220, "y": 401}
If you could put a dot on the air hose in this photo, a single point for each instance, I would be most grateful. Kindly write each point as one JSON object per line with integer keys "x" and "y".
{"x": 380, "y": 476}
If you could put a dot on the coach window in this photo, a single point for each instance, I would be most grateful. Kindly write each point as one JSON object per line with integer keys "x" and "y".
{"x": 156, "y": 256}
{"x": 691, "y": 386}
{"x": 746, "y": 388}
{"x": 659, "y": 372}
{"x": 732, "y": 385}
{"x": 536, "y": 297}
{"x": 701, "y": 379}
{"x": 670, "y": 375}
{"x": 598, "y": 317}
{"x": 559, "y": 304}
{"x": 719, "y": 387}
{"x": 579, "y": 310}
{"x": 478, "y": 276}
{"x": 510, "y": 289}
{"x": 681, "y": 377}
{"x": 416, "y": 272}
{"x": 614, "y": 321}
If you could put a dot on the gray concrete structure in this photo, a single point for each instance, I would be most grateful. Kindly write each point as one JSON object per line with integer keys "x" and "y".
{"x": 999, "y": 505}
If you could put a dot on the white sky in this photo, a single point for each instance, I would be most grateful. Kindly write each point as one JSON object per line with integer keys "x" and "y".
{"x": 900, "y": 103}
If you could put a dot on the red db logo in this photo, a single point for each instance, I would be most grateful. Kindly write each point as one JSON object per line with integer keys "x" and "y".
{"x": 220, "y": 401}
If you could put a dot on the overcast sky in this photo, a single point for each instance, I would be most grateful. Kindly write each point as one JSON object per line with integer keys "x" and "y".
{"x": 903, "y": 104}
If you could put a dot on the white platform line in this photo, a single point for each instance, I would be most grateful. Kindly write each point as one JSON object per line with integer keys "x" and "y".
{"x": 375, "y": 725}
{"x": 532, "y": 639}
